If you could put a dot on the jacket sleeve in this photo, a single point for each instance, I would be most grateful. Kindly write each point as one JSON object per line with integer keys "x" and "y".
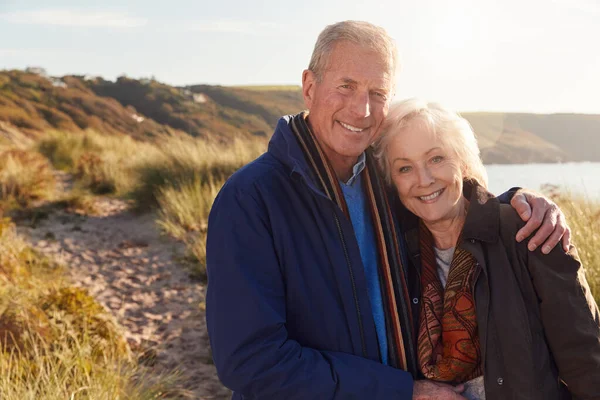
{"x": 507, "y": 196}
{"x": 569, "y": 315}
{"x": 246, "y": 319}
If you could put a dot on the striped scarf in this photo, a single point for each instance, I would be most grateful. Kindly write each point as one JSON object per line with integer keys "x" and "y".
{"x": 449, "y": 348}
{"x": 392, "y": 275}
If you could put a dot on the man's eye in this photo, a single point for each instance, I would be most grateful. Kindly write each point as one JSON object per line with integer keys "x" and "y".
{"x": 382, "y": 95}
{"x": 345, "y": 87}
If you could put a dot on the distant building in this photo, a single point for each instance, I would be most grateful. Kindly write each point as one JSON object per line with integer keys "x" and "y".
{"x": 200, "y": 98}
{"x": 56, "y": 82}
{"x": 137, "y": 118}
{"x": 37, "y": 70}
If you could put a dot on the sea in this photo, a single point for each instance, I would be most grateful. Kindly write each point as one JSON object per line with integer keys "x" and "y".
{"x": 582, "y": 178}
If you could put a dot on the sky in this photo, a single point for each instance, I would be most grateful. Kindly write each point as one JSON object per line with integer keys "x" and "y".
{"x": 537, "y": 56}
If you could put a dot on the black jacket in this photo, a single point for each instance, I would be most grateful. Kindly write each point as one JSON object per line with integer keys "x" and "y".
{"x": 539, "y": 325}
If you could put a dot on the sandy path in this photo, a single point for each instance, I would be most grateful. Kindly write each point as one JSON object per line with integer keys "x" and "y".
{"x": 128, "y": 267}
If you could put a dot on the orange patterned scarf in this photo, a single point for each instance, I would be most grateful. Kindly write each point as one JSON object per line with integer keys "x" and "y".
{"x": 448, "y": 344}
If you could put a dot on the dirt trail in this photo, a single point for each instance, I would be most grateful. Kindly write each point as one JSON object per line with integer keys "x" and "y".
{"x": 128, "y": 267}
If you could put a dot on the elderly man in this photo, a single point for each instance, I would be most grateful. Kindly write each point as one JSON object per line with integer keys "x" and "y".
{"x": 310, "y": 293}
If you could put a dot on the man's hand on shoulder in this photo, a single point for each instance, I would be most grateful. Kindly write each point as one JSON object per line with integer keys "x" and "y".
{"x": 431, "y": 390}
{"x": 541, "y": 212}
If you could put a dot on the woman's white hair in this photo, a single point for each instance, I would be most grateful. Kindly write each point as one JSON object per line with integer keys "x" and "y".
{"x": 359, "y": 32}
{"x": 450, "y": 128}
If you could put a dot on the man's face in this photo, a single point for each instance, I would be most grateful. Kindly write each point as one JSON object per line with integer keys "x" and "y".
{"x": 348, "y": 105}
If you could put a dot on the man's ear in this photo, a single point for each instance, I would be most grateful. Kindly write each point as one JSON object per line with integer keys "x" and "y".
{"x": 309, "y": 81}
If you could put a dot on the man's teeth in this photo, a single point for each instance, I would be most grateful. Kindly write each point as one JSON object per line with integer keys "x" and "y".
{"x": 431, "y": 196}
{"x": 351, "y": 128}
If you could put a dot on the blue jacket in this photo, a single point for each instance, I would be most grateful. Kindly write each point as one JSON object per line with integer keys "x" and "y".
{"x": 288, "y": 310}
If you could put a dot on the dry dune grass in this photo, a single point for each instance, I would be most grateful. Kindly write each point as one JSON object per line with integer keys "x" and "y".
{"x": 56, "y": 341}
{"x": 25, "y": 176}
{"x": 583, "y": 216}
{"x": 101, "y": 163}
{"x": 178, "y": 175}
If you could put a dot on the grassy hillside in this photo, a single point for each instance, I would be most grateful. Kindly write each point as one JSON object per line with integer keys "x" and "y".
{"x": 578, "y": 135}
{"x": 269, "y": 103}
{"x": 522, "y": 138}
{"x": 32, "y": 103}
{"x": 192, "y": 111}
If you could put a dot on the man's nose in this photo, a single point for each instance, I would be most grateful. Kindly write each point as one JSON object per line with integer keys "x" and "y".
{"x": 361, "y": 105}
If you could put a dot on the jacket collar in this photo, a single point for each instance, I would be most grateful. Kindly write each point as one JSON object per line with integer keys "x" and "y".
{"x": 483, "y": 218}
{"x": 482, "y": 222}
{"x": 285, "y": 148}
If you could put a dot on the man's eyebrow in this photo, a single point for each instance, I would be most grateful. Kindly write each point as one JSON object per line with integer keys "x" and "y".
{"x": 349, "y": 80}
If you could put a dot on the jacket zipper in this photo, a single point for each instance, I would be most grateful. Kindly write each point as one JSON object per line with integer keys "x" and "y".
{"x": 360, "y": 324}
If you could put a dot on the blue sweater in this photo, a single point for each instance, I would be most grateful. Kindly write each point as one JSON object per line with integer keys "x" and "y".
{"x": 363, "y": 229}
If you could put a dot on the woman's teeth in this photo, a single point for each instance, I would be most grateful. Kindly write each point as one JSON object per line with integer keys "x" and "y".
{"x": 431, "y": 196}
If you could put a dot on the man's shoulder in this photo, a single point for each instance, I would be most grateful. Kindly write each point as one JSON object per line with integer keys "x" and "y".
{"x": 264, "y": 171}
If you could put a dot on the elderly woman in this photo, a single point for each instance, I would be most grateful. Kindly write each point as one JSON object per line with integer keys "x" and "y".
{"x": 509, "y": 323}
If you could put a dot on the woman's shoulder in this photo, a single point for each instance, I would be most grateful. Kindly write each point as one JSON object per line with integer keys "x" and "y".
{"x": 510, "y": 224}
{"x": 509, "y": 218}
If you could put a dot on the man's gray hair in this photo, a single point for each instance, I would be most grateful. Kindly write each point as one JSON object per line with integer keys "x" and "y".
{"x": 359, "y": 32}
{"x": 450, "y": 128}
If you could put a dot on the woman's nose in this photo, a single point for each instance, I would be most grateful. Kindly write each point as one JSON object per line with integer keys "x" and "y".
{"x": 425, "y": 176}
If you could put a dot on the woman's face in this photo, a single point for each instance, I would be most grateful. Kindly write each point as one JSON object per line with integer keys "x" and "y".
{"x": 426, "y": 174}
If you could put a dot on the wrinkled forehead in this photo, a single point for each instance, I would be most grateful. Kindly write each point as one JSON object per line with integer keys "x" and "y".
{"x": 347, "y": 56}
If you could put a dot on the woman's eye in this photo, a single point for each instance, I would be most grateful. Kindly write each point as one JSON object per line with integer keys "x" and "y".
{"x": 404, "y": 169}
{"x": 437, "y": 159}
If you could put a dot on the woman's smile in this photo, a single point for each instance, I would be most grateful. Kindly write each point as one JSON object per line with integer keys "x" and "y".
{"x": 431, "y": 198}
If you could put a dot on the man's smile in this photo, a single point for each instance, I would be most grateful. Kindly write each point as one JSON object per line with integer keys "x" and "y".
{"x": 351, "y": 128}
